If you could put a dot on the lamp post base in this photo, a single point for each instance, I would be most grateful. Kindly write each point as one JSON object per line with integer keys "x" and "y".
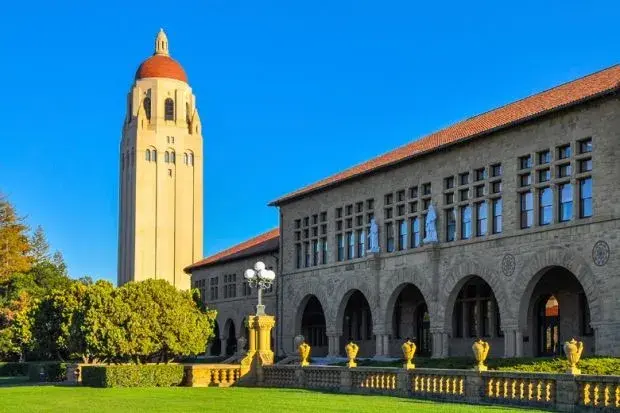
{"x": 260, "y": 309}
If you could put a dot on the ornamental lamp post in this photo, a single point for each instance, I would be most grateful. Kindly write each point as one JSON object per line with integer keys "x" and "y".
{"x": 260, "y": 278}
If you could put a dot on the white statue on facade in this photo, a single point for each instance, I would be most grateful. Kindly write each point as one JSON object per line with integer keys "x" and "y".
{"x": 374, "y": 236}
{"x": 430, "y": 226}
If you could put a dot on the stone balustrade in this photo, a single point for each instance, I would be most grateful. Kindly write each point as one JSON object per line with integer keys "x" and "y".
{"x": 218, "y": 375}
{"x": 562, "y": 392}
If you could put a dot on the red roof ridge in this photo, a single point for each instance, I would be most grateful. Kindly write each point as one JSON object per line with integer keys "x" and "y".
{"x": 242, "y": 246}
{"x": 510, "y": 114}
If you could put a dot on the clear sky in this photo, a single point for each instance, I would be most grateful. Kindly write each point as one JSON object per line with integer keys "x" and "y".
{"x": 288, "y": 92}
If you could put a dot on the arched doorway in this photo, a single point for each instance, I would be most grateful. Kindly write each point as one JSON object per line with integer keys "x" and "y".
{"x": 410, "y": 320}
{"x": 357, "y": 324}
{"x": 312, "y": 325}
{"x": 475, "y": 315}
{"x": 216, "y": 343}
{"x": 557, "y": 311}
{"x": 231, "y": 338}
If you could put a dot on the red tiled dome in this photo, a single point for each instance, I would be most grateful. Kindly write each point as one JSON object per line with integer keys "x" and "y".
{"x": 161, "y": 66}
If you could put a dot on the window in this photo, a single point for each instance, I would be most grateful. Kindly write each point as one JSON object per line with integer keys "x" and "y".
{"x": 481, "y": 174}
{"x": 306, "y": 254}
{"x": 546, "y": 206}
{"x": 167, "y": 157}
{"x": 565, "y": 192}
{"x": 169, "y": 172}
{"x": 169, "y": 109}
{"x": 213, "y": 282}
{"x": 450, "y": 225}
{"x": 349, "y": 209}
{"x": 359, "y": 207}
{"x": 527, "y": 210}
{"x": 185, "y": 158}
{"x": 191, "y": 159}
{"x": 389, "y": 199}
{"x": 481, "y": 219}
{"x": 464, "y": 194}
{"x": 426, "y": 189}
{"x": 323, "y": 216}
{"x": 154, "y": 155}
{"x": 466, "y": 222}
{"x": 147, "y": 107}
{"x": 173, "y": 158}
{"x": 564, "y": 170}
{"x": 480, "y": 191}
{"x": 315, "y": 252}
{"x": 585, "y": 198}
{"x": 415, "y": 232}
{"x": 401, "y": 195}
{"x": 564, "y": 152}
{"x": 585, "y": 146}
{"x": 230, "y": 285}
{"x": 497, "y": 216}
{"x": 544, "y": 157}
{"x": 298, "y": 256}
{"x": 389, "y": 237}
{"x": 351, "y": 246}
{"x": 585, "y": 165}
{"x": 340, "y": 244}
{"x": 464, "y": 178}
{"x": 324, "y": 252}
{"x": 400, "y": 210}
{"x": 449, "y": 198}
{"x": 388, "y": 213}
{"x": 525, "y": 162}
{"x": 449, "y": 182}
{"x": 402, "y": 235}
{"x": 525, "y": 180}
{"x": 413, "y": 192}
{"x": 496, "y": 187}
{"x": 496, "y": 170}
{"x": 370, "y": 204}
{"x": 544, "y": 175}
{"x": 148, "y": 155}
{"x": 361, "y": 243}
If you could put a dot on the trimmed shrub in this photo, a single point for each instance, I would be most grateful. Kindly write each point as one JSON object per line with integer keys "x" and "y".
{"x": 53, "y": 372}
{"x": 133, "y": 375}
{"x": 12, "y": 369}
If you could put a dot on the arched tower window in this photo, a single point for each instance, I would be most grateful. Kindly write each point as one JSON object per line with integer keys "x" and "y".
{"x": 169, "y": 109}
{"x": 154, "y": 155}
{"x": 185, "y": 158}
{"x": 173, "y": 157}
{"x": 147, "y": 107}
{"x": 148, "y": 155}
{"x": 191, "y": 159}
{"x": 167, "y": 157}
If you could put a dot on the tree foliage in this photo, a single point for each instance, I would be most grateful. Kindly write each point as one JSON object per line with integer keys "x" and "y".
{"x": 14, "y": 243}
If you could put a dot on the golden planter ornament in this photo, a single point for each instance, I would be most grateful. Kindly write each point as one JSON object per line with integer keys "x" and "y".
{"x": 573, "y": 350}
{"x": 409, "y": 349}
{"x": 481, "y": 351}
{"x": 352, "y": 350}
{"x": 304, "y": 353}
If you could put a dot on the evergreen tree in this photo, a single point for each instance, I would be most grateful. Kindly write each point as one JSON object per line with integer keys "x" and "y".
{"x": 40, "y": 249}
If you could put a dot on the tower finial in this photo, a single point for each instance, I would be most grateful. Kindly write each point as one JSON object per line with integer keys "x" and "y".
{"x": 161, "y": 43}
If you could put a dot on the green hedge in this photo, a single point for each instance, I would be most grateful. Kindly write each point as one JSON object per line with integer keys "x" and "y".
{"x": 12, "y": 369}
{"x": 133, "y": 375}
{"x": 52, "y": 372}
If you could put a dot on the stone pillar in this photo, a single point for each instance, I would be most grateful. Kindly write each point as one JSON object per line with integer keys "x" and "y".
{"x": 440, "y": 344}
{"x": 518, "y": 343}
{"x": 509, "y": 342}
{"x": 382, "y": 345}
{"x": 333, "y": 344}
{"x": 386, "y": 345}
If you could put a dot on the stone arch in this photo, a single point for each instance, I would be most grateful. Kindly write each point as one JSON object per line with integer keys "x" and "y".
{"x": 394, "y": 286}
{"x": 301, "y": 308}
{"x": 535, "y": 268}
{"x": 339, "y": 298}
{"x": 456, "y": 277}
{"x": 226, "y": 332}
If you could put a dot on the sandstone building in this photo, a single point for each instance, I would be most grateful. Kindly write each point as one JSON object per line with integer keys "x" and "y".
{"x": 523, "y": 202}
{"x": 161, "y": 189}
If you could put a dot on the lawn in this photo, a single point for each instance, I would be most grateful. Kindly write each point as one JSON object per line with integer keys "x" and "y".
{"x": 23, "y": 399}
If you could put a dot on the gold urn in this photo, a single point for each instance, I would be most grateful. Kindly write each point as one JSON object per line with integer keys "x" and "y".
{"x": 409, "y": 349}
{"x": 304, "y": 353}
{"x": 481, "y": 351}
{"x": 352, "y": 350}
{"x": 573, "y": 350}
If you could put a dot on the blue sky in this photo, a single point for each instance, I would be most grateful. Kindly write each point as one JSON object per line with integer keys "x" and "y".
{"x": 288, "y": 93}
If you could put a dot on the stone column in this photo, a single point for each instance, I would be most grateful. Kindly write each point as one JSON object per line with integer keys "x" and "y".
{"x": 518, "y": 343}
{"x": 509, "y": 342}
{"x": 333, "y": 344}
{"x": 440, "y": 344}
{"x": 382, "y": 345}
{"x": 386, "y": 345}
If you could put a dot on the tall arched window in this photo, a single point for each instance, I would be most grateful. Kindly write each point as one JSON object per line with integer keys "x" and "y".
{"x": 185, "y": 158}
{"x": 173, "y": 158}
{"x": 147, "y": 107}
{"x": 167, "y": 157}
{"x": 169, "y": 109}
{"x": 154, "y": 155}
{"x": 191, "y": 159}
{"x": 148, "y": 155}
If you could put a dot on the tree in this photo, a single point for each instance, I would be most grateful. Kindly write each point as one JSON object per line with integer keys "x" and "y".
{"x": 59, "y": 261}
{"x": 39, "y": 248}
{"x": 16, "y": 326}
{"x": 14, "y": 243}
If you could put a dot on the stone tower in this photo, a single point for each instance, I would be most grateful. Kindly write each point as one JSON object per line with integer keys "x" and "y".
{"x": 161, "y": 191}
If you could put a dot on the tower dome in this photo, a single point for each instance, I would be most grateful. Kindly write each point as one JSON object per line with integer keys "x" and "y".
{"x": 161, "y": 64}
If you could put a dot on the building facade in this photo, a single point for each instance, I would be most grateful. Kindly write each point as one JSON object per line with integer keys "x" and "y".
{"x": 503, "y": 226}
{"x": 219, "y": 278}
{"x": 161, "y": 184}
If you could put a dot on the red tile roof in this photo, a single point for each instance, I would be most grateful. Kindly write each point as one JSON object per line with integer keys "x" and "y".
{"x": 559, "y": 97}
{"x": 161, "y": 66}
{"x": 250, "y": 246}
